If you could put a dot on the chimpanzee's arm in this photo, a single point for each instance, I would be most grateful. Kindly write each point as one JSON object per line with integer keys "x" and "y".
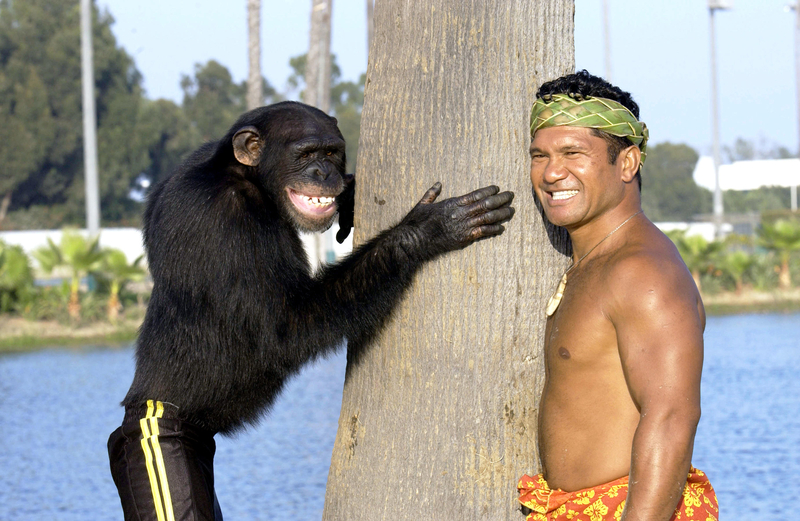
{"x": 353, "y": 298}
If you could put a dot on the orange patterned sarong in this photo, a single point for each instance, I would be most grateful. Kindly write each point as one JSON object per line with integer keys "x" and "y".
{"x": 605, "y": 502}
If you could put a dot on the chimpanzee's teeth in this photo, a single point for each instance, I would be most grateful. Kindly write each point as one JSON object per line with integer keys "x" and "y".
{"x": 320, "y": 201}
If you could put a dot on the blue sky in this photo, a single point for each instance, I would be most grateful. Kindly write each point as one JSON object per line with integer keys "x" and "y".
{"x": 660, "y": 52}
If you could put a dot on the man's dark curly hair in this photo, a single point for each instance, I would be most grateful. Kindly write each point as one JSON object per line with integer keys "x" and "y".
{"x": 585, "y": 85}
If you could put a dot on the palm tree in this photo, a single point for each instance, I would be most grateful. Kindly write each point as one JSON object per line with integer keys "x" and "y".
{"x": 465, "y": 342}
{"x": 698, "y": 254}
{"x": 782, "y": 237}
{"x": 15, "y": 275}
{"x": 115, "y": 266}
{"x": 255, "y": 96}
{"x": 75, "y": 252}
{"x": 736, "y": 264}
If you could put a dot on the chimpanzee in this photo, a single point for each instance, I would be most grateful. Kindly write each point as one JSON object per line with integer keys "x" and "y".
{"x": 234, "y": 310}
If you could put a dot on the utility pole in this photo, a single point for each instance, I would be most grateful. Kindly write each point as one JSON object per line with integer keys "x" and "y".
{"x": 607, "y": 40}
{"x": 797, "y": 86}
{"x": 714, "y": 5}
{"x": 89, "y": 122}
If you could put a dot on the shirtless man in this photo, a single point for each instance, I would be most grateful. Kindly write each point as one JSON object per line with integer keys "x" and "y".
{"x": 624, "y": 336}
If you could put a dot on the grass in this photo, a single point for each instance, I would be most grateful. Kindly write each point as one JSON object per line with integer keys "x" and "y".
{"x": 728, "y": 303}
{"x": 19, "y": 335}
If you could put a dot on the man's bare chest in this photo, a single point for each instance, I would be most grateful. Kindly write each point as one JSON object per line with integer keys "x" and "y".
{"x": 580, "y": 330}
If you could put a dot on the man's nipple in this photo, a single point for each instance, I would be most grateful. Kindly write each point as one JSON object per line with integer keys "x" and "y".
{"x": 563, "y": 353}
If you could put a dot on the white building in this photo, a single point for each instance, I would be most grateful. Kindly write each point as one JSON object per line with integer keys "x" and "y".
{"x": 750, "y": 175}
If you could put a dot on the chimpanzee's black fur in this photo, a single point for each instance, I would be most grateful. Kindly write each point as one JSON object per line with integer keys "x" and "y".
{"x": 234, "y": 310}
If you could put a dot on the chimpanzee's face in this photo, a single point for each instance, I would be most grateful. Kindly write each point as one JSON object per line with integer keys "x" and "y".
{"x": 298, "y": 156}
{"x": 313, "y": 176}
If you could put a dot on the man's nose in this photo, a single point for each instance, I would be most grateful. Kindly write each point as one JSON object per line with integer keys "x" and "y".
{"x": 555, "y": 170}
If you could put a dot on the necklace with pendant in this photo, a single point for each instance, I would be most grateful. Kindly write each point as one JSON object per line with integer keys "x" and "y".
{"x": 555, "y": 300}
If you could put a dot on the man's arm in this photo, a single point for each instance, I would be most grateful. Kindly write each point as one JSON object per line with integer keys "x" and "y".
{"x": 659, "y": 324}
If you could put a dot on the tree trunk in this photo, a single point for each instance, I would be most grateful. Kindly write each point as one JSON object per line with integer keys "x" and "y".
{"x": 370, "y": 24}
{"x": 318, "y": 94}
{"x": 114, "y": 305}
{"x": 318, "y": 64}
{"x": 439, "y": 414}
{"x": 74, "y": 304}
{"x": 255, "y": 94}
{"x": 4, "y": 204}
{"x": 785, "y": 275}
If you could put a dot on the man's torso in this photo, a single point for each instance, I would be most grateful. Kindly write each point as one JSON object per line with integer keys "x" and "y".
{"x": 587, "y": 416}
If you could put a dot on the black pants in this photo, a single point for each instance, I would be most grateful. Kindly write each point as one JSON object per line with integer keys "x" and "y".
{"x": 163, "y": 467}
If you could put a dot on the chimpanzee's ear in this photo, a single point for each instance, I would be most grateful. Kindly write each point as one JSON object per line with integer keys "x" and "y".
{"x": 247, "y": 145}
{"x": 346, "y": 204}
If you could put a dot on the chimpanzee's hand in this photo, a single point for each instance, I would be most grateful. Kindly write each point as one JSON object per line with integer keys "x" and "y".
{"x": 432, "y": 228}
{"x": 345, "y": 202}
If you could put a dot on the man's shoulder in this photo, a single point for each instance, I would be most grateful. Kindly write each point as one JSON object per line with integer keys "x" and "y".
{"x": 649, "y": 271}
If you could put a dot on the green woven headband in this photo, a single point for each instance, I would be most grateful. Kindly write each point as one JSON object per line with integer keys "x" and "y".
{"x": 560, "y": 110}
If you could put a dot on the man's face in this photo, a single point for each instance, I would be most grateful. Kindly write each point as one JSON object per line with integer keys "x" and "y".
{"x": 572, "y": 177}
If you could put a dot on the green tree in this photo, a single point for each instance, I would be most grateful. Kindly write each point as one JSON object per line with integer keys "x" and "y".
{"x": 77, "y": 253}
{"x": 763, "y": 199}
{"x": 348, "y": 100}
{"x": 16, "y": 277}
{"x": 212, "y": 101}
{"x": 116, "y": 268}
{"x": 698, "y": 254}
{"x": 669, "y": 192}
{"x": 41, "y": 136}
{"x": 783, "y": 237}
{"x": 746, "y": 150}
{"x": 736, "y": 264}
{"x": 170, "y": 137}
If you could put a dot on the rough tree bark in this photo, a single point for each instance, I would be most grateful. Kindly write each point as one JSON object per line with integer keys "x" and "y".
{"x": 255, "y": 95}
{"x": 439, "y": 414}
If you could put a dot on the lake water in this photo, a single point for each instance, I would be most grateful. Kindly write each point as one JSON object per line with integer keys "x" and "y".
{"x": 57, "y": 408}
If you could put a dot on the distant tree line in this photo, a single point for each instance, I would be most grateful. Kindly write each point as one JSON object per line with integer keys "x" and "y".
{"x": 142, "y": 140}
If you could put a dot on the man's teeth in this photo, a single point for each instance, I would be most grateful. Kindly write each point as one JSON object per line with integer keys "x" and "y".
{"x": 320, "y": 201}
{"x": 566, "y": 194}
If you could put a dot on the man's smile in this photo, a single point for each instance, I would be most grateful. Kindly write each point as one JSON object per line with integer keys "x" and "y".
{"x": 562, "y": 195}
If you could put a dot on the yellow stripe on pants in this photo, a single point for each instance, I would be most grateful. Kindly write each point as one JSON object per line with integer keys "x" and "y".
{"x": 152, "y": 452}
